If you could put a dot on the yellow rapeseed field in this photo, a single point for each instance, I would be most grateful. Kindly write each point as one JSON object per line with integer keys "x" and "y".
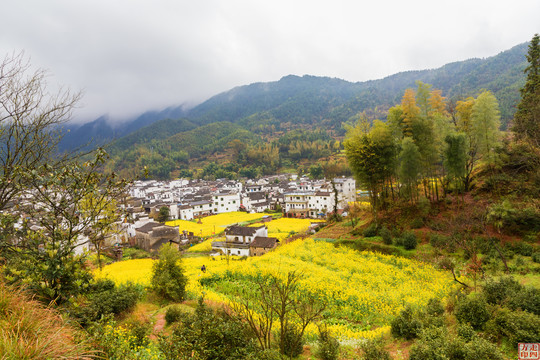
{"x": 205, "y": 246}
{"x": 364, "y": 290}
{"x": 214, "y": 224}
{"x": 281, "y": 228}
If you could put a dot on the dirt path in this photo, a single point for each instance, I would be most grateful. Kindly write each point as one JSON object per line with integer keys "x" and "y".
{"x": 158, "y": 327}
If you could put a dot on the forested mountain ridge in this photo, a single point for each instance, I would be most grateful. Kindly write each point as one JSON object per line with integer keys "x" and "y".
{"x": 264, "y": 112}
{"x": 284, "y": 99}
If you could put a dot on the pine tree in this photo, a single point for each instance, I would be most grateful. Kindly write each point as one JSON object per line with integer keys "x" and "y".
{"x": 527, "y": 117}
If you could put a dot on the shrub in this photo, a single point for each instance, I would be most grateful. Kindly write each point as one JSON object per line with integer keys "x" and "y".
{"x": 465, "y": 331}
{"x": 107, "y": 299}
{"x": 328, "y": 347}
{"x": 168, "y": 279}
{"x": 481, "y": 349}
{"x": 209, "y": 334}
{"x": 431, "y": 346}
{"x": 438, "y": 241}
{"x": 267, "y": 354}
{"x": 386, "y": 235}
{"x": 497, "y": 291}
{"x": 517, "y": 326}
{"x": 472, "y": 310}
{"x": 374, "y": 350}
{"x": 417, "y": 223}
{"x": 427, "y": 351}
{"x": 173, "y": 314}
{"x": 455, "y": 349}
{"x": 406, "y": 325}
{"x": 536, "y": 257}
{"x": 139, "y": 333}
{"x": 136, "y": 253}
{"x": 521, "y": 248}
{"x": 409, "y": 240}
{"x": 291, "y": 342}
{"x": 370, "y": 231}
{"x": 512, "y": 219}
{"x": 434, "y": 307}
{"x": 528, "y": 299}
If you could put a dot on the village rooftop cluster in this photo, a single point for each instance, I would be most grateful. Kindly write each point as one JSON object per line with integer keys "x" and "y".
{"x": 192, "y": 199}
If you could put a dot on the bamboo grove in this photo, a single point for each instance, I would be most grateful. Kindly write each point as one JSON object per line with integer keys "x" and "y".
{"x": 427, "y": 148}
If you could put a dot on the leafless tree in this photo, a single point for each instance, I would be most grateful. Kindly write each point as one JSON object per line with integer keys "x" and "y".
{"x": 30, "y": 119}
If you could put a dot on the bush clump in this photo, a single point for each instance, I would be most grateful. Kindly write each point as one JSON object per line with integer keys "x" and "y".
{"x": 105, "y": 298}
{"x": 173, "y": 314}
{"x": 409, "y": 240}
{"x": 434, "y": 307}
{"x": 517, "y": 326}
{"x": 406, "y": 325}
{"x": 472, "y": 310}
{"x": 481, "y": 349}
{"x": 417, "y": 223}
{"x": 497, "y": 291}
{"x": 370, "y": 231}
{"x": 291, "y": 342}
{"x": 438, "y": 344}
{"x": 386, "y": 235}
{"x": 506, "y": 291}
{"x": 439, "y": 241}
{"x": 168, "y": 279}
{"x": 210, "y": 334}
{"x": 328, "y": 347}
{"x": 374, "y": 350}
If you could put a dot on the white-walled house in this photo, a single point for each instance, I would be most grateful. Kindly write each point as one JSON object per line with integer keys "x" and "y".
{"x": 308, "y": 204}
{"x": 320, "y": 203}
{"x": 185, "y": 212}
{"x": 202, "y": 208}
{"x": 255, "y": 202}
{"x": 297, "y": 203}
{"x": 346, "y": 188}
{"x": 226, "y": 202}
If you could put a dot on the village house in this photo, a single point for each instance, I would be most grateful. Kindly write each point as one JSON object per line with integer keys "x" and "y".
{"x": 226, "y": 202}
{"x": 239, "y": 241}
{"x": 152, "y": 235}
{"x": 346, "y": 188}
{"x": 202, "y": 208}
{"x": 185, "y": 212}
{"x": 261, "y": 245}
{"x": 255, "y": 202}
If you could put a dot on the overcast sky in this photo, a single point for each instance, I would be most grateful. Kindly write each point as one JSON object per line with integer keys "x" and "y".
{"x": 129, "y": 56}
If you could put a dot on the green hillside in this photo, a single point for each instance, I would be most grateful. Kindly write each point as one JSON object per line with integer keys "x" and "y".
{"x": 261, "y": 113}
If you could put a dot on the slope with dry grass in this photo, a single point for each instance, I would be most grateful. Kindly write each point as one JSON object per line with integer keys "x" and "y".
{"x": 28, "y": 330}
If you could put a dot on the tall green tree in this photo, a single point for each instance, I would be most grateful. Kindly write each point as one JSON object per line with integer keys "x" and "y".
{"x": 164, "y": 214}
{"x": 527, "y": 117}
{"x": 411, "y": 111}
{"x": 485, "y": 122}
{"x": 371, "y": 157}
{"x": 463, "y": 124}
{"x": 455, "y": 158}
{"x": 410, "y": 167}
